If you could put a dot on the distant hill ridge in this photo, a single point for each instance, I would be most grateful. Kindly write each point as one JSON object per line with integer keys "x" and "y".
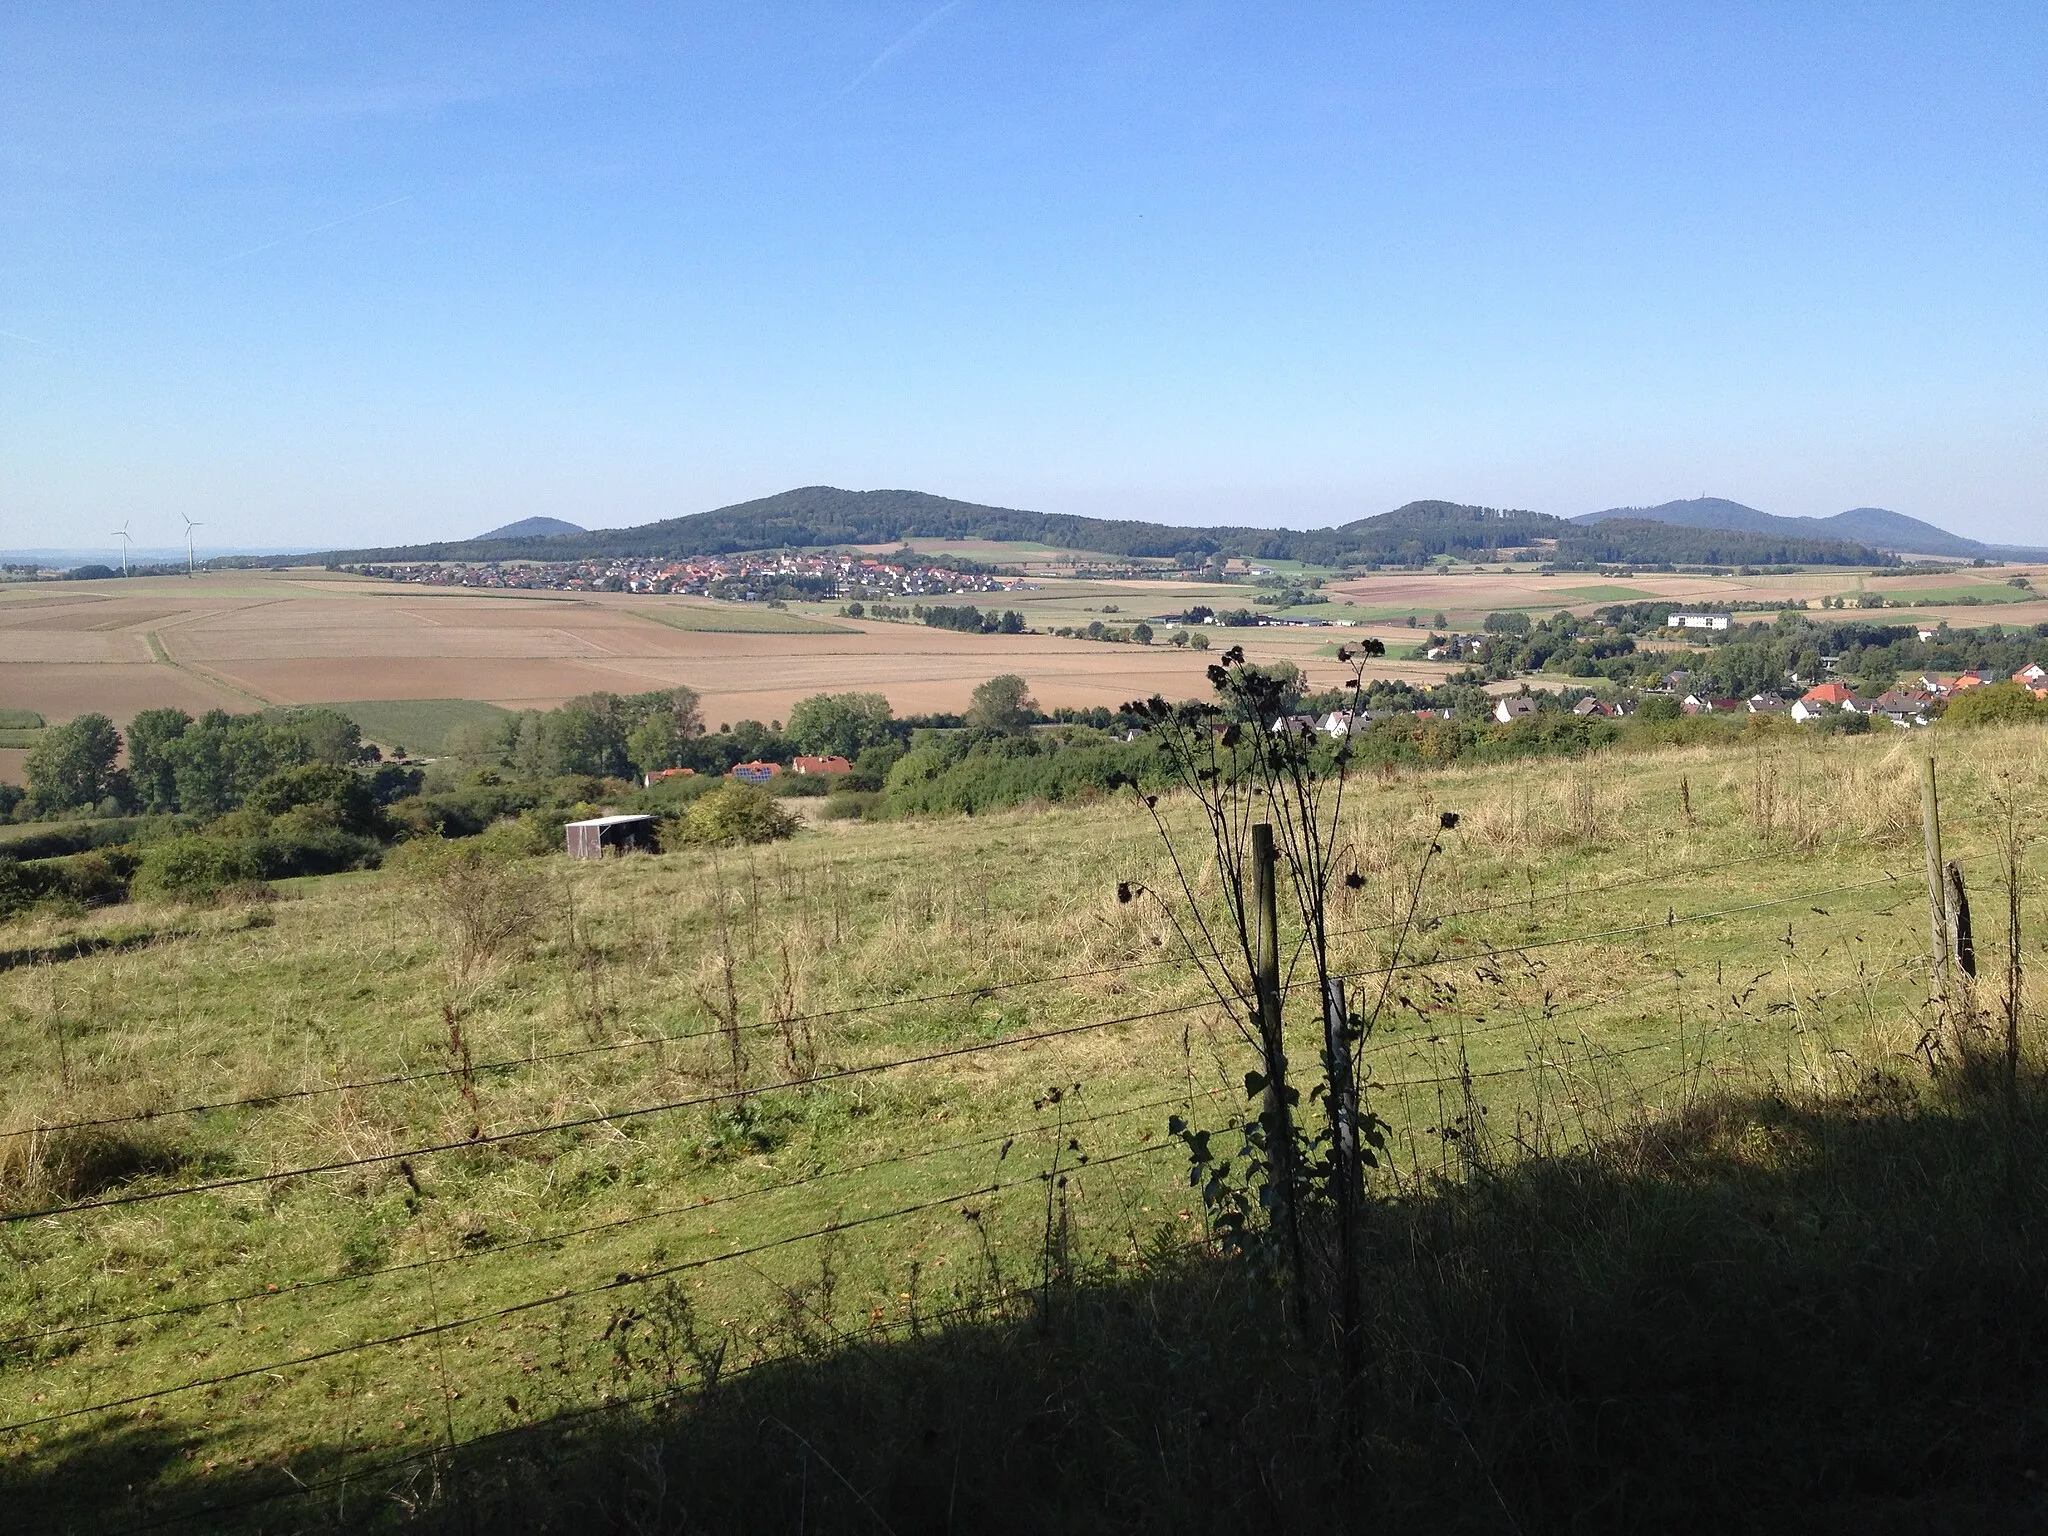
{"x": 822, "y": 516}
{"x": 1874, "y": 526}
{"x": 534, "y": 528}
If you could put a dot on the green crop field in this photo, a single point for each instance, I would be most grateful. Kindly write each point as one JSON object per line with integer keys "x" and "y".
{"x": 483, "y": 1158}
{"x": 418, "y": 725}
{"x": 737, "y": 619}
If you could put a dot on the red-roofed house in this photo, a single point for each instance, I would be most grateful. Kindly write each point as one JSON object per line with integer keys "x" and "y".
{"x": 2034, "y": 678}
{"x": 660, "y": 774}
{"x": 804, "y": 764}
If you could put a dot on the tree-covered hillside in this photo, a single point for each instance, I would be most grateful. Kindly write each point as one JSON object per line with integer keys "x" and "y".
{"x": 1639, "y": 540}
{"x": 821, "y": 516}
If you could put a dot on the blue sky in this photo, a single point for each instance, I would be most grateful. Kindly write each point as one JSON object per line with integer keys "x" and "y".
{"x": 335, "y": 274}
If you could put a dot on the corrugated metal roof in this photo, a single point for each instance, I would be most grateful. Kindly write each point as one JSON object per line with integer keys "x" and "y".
{"x": 606, "y": 821}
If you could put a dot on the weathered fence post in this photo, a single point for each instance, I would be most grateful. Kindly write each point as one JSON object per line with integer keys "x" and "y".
{"x": 1937, "y": 896}
{"x": 1276, "y": 1114}
{"x": 1962, "y": 945}
{"x": 1344, "y": 1163}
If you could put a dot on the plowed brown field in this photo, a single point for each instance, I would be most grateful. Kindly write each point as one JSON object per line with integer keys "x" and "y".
{"x": 237, "y": 640}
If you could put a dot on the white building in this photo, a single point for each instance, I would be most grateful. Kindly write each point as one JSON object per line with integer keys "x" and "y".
{"x": 1697, "y": 621}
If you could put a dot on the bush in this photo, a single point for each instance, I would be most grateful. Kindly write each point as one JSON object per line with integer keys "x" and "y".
{"x": 15, "y": 892}
{"x": 195, "y": 867}
{"x": 1997, "y": 704}
{"x": 850, "y": 806}
{"x": 736, "y": 813}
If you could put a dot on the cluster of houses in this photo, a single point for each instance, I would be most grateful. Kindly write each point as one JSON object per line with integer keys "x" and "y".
{"x": 1905, "y": 705}
{"x": 1339, "y": 723}
{"x": 830, "y": 573}
{"x": 758, "y": 772}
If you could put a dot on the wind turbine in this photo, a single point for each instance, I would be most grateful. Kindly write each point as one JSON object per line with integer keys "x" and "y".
{"x": 189, "y": 526}
{"x": 121, "y": 533}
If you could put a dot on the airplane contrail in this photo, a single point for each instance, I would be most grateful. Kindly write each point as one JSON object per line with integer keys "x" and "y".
{"x": 17, "y": 336}
{"x": 363, "y": 213}
{"x": 889, "y": 53}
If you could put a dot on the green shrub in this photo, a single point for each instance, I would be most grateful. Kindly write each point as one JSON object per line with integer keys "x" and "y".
{"x": 737, "y": 813}
{"x": 1997, "y": 704}
{"x": 15, "y": 893}
{"x": 345, "y": 792}
{"x": 850, "y": 806}
{"x": 195, "y": 866}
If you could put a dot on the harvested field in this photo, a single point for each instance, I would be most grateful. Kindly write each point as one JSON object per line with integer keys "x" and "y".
{"x": 238, "y": 639}
{"x": 244, "y": 638}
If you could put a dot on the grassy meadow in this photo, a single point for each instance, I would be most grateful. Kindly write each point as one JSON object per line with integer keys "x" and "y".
{"x": 746, "y": 1186}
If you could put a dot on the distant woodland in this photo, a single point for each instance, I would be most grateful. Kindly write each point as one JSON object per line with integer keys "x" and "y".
{"x": 822, "y": 516}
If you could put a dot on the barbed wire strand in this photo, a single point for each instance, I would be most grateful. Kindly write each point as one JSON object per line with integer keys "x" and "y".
{"x": 620, "y": 1281}
{"x": 650, "y": 1042}
{"x": 869, "y": 1069}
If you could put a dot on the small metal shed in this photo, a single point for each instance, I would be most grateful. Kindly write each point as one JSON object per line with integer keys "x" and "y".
{"x": 600, "y": 835}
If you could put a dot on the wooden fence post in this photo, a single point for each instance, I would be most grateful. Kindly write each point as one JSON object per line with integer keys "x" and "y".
{"x": 1962, "y": 944}
{"x": 1344, "y": 1163}
{"x": 1277, "y": 1114}
{"x": 1937, "y": 896}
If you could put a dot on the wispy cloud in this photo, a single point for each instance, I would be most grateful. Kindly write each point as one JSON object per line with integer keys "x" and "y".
{"x": 362, "y": 213}
{"x": 881, "y": 60}
{"x": 17, "y": 336}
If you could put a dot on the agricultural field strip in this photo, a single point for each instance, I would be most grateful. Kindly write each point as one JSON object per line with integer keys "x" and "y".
{"x": 987, "y": 989}
{"x": 711, "y": 1202}
{"x": 555, "y": 1298}
{"x": 870, "y": 1068}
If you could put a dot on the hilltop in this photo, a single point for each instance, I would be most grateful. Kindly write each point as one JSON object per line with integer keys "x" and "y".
{"x": 534, "y": 528}
{"x": 823, "y": 516}
{"x": 1874, "y": 526}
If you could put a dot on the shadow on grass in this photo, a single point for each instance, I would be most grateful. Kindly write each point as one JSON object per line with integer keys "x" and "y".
{"x": 1758, "y": 1315}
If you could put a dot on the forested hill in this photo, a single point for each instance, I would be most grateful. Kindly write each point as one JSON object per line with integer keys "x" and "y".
{"x": 1874, "y": 526}
{"x": 822, "y": 515}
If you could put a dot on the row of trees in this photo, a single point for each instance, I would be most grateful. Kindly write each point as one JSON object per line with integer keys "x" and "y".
{"x": 204, "y": 767}
{"x": 609, "y": 735}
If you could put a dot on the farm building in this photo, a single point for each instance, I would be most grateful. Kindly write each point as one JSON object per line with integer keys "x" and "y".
{"x": 756, "y": 772}
{"x": 1697, "y": 621}
{"x": 600, "y": 835}
{"x": 803, "y": 763}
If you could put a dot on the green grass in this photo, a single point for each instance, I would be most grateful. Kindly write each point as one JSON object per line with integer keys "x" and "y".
{"x": 347, "y": 981}
{"x": 1608, "y": 592}
{"x": 19, "y": 738}
{"x": 1984, "y": 592}
{"x": 738, "y": 619}
{"x": 418, "y": 725}
{"x": 20, "y": 720}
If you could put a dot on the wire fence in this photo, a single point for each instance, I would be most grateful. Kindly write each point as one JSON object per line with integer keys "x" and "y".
{"x": 1540, "y": 1018}
{"x": 871, "y": 1005}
